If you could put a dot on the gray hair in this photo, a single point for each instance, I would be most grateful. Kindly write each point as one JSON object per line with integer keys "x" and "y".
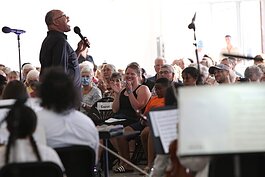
{"x": 33, "y": 75}
{"x": 253, "y": 73}
{"x": 169, "y": 67}
{"x": 86, "y": 68}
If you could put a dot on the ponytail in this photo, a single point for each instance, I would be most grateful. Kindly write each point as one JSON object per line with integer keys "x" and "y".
{"x": 35, "y": 147}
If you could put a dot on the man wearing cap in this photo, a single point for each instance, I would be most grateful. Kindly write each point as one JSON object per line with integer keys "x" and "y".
{"x": 221, "y": 73}
{"x": 258, "y": 59}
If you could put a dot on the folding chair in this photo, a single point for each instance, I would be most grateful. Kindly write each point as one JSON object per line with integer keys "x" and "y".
{"x": 101, "y": 110}
{"x": 138, "y": 153}
{"x": 78, "y": 160}
{"x": 31, "y": 169}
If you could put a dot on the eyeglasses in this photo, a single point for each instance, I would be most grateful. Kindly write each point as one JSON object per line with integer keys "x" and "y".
{"x": 115, "y": 80}
{"x": 164, "y": 72}
{"x": 60, "y": 17}
{"x": 218, "y": 71}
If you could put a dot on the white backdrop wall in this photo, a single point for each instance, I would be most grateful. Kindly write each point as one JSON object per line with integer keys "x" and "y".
{"x": 120, "y": 31}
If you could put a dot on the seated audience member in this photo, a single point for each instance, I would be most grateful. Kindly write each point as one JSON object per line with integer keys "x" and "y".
{"x": 207, "y": 61}
{"x": 182, "y": 166}
{"x": 221, "y": 73}
{"x": 90, "y": 92}
{"x": 2, "y": 66}
{"x": 116, "y": 80}
{"x": 190, "y": 76}
{"x": 242, "y": 80}
{"x": 13, "y": 75}
{"x": 258, "y": 59}
{"x": 145, "y": 81}
{"x": 6, "y": 70}
{"x": 90, "y": 65}
{"x": 159, "y": 62}
{"x": 16, "y": 90}
{"x": 161, "y": 86}
{"x": 104, "y": 82}
{"x": 231, "y": 63}
{"x": 177, "y": 73}
{"x": 167, "y": 71}
{"x": 126, "y": 103}
{"x": 162, "y": 160}
{"x": 32, "y": 82}
{"x": 62, "y": 123}
{"x": 234, "y": 63}
{"x": 182, "y": 62}
{"x": 12, "y": 90}
{"x": 3, "y": 83}
{"x": 2, "y": 73}
{"x": 204, "y": 74}
{"x": 83, "y": 55}
{"x": 21, "y": 147}
{"x": 85, "y": 64}
{"x": 98, "y": 73}
{"x": 25, "y": 70}
{"x": 262, "y": 67}
{"x": 170, "y": 165}
{"x": 253, "y": 73}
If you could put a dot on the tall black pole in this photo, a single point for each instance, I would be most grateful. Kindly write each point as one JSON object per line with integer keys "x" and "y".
{"x": 196, "y": 53}
{"x": 192, "y": 26}
{"x": 6, "y": 29}
{"x": 19, "y": 56}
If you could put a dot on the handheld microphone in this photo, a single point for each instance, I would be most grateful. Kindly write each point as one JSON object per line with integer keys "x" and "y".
{"x": 6, "y": 29}
{"x": 78, "y": 31}
{"x": 192, "y": 25}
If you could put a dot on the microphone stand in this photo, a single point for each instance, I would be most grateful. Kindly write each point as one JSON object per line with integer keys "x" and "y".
{"x": 19, "y": 56}
{"x": 192, "y": 26}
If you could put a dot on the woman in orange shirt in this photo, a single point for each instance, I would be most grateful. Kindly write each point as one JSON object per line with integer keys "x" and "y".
{"x": 161, "y": 86}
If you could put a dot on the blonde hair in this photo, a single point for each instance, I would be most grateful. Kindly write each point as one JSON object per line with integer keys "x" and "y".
{"x": 110, "y": 66}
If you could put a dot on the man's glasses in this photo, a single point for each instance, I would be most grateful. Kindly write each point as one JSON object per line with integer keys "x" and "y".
{"x": 164, "y": 72}
{"x": 218, "y": 71}
{"x": 60, "y": 17}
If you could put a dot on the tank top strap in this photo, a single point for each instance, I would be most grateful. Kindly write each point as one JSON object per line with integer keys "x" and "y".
{"x": 134, "y": 92}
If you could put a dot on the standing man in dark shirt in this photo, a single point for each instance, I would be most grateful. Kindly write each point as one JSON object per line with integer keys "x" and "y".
{"x": 56, "y": 51}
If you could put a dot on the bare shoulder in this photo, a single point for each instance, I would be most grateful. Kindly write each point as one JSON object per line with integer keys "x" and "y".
{"x": 143, "y": 88}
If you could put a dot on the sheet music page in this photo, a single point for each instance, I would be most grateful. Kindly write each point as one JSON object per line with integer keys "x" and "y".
{"x": 154, "y": 115}
{"x": 164, "y": 123}
{"x": 222, "y": 119}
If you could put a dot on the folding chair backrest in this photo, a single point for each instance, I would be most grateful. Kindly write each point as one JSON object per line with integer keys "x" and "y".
{"x": 101, "y": 110}
{"x": 78, "y": 161}
{"x": 31, "y": 169}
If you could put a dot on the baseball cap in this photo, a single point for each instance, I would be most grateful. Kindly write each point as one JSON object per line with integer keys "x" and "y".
{"x": 219, "y": 67}
{"x": 258, "y": 58}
